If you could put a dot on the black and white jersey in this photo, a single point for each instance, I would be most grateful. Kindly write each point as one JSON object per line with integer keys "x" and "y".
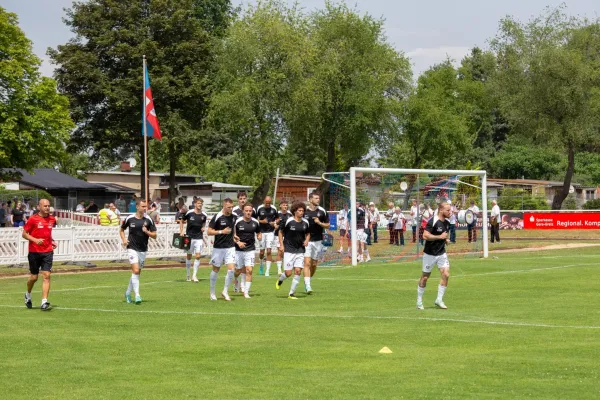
{"x": 268, "y": 213}
{"x": 138, "y": 240}
{"x": 220, "y": 222}
{"x": 195, "y": 223}
{"x": 239, "y": 211}
{"x": 283, "y": 216}
{"x": 246, "y": 231}
{"x": 361, "y": 221}
{"x": 316, "y": 231}
{"x": 436, "y": 227}
{"x": 294, "y": 235}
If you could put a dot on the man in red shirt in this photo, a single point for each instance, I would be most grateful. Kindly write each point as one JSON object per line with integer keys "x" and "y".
{"x": 38, "y": 231}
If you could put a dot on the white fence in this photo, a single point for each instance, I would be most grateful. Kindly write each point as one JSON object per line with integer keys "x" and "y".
{"x": 88, "y": 243}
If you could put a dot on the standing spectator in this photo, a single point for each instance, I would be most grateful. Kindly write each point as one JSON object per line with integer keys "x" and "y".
{"x": 121, "y": 204}
{"x": 18, "y": 218}
{"x": 374, "y": 220}
{"x": 389, "y": 214}
{"x": 399, "y": 224}
{"x": 158, "y": 205}
{"x": 452, "y": 220}
{"x": 495, "y": 221}
{"x": 132, "y": 204}
{"x": 181, "y": 211}
{"x": 153, "y": 214}
{"x": 342, "y": 221}
{"x": 424, "y": 217}
{"x": 3, "y": 215}
{"x": 115, "y": 219}
{"x": 80, "y": 207}
{"x": 92, "y": 208}
{"x": 414, "y": 219}
{"x": 105, "y": 215}
{"x": 472, "y": 228}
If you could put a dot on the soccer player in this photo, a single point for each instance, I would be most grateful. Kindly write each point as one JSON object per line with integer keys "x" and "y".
{"x": 244, "y": 230}
{"x": 221, "y": 227}
{"x": 343, "y": 227}
{"x": 267, "y": 217}
{"x": 141, "y": 227}
{"x": 282, "y": 216}
{"x": 361, "y": 236}
{"x": 436, "y": 237}
{"x": 293, "y": 237}
{"x": 318, "y": 220}
{"x": 38, "y": 231}
{"x": 196, "y": 221}
{"x": 239, "y": 209}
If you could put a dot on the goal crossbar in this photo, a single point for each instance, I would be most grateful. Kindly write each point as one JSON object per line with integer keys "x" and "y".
{"x": 352, "y": 205}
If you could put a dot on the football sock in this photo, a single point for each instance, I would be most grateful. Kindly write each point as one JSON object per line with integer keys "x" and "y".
{"x": 295, "y": 283}
{"x": 306, "y": 281}
{"x": 188, "y": 264}
{"x": 243, "y": 281}
{"x": 268, "y": 267}
{"x": 282, "y": 277}
{"x": 228, "y": 280}
{"x": 213, "y": 281}
{"x": 441, "y": 291}
{"x": 135, "y": 280}
{"x": 44, "y": 301}
{"x": 248, "y": 284}
{"x": 130, "y": 287}
{"x": 196, "y": 265}
{"x": 420, "y": 292}
{"x": 279, "y": 267}
{"x": 28, "y": 295}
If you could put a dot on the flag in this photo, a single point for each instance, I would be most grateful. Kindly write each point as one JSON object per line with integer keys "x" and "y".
{"x": 152, "y": 128}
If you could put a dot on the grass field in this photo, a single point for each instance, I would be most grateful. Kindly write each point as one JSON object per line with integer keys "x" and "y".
{"x": 523, "y": 325}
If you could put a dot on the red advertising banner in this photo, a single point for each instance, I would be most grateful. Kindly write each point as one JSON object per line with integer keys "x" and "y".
{"x": 576, "y": 220}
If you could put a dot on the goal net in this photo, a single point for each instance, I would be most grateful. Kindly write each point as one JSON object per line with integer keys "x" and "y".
{"x": 397, "y": 204}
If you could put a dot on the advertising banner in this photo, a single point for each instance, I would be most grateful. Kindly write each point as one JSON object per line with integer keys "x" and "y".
{"x": 576, "y": 220}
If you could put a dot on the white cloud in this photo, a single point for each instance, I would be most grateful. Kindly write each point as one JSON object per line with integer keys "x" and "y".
{"x": 424, "y": 58}
{"x": 46, "y": 69}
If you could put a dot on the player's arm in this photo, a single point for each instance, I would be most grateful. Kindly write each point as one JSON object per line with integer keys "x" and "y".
{"x": 430, "y": 237}
{"x": 28, "y": 237}
{"x": 123, "y": 238}
{"x": 152, "y": 233}
{"x": 181, "y": 222}
{"x": 280, "y": 234}
{"x": 325, "y": 224}
{"x": 211, "y": 227}
{"x": 306, "y": 239}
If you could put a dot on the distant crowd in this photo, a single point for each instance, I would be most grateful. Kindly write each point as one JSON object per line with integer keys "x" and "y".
{"x": 14, "y": 214}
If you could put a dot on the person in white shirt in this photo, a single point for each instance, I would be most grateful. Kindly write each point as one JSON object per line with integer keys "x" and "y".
{"x": 399, "y": 224}
{"x": 495, "y": 222}
{"x": 373, "y": 222}
{"x": 452, "y": 220}
{"x": 472, "y": 228}
{"x": 389, "y": 214}
{"x": 424, "y": 216}
{"x": 80, "y": 207}
{"x": 414, "y": 217}
{"x": 342, "y": 221}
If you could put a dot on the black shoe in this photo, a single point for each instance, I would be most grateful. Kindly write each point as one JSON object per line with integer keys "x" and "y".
{"x": 27, "y": 302}
{"x": 45, "y": 306}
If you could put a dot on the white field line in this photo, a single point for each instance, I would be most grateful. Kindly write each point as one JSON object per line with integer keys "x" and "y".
{"x": 325, "y": 316}
{"x": 92, "y": 287}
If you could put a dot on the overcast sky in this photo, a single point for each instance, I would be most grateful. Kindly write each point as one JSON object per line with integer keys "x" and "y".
{"x": 427, "y": 31}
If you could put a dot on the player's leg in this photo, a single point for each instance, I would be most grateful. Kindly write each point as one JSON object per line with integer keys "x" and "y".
{"x": 428, "y": 262}
{"x": 375, "y": 233}
{"x": 217, "y": 260}
{"x": 230, "y": 259}
{"x": 444, "y": 267}
{"x": 288, "y": 259}
{"x": 240, "y": 270}
{"x": 261, "y": 254}
{"x": 365, "y": 249}
{"x": 269, "y": 258}
{"x": 34, "y": 270}
{"x": 298, "y": 267}
{"x": 414, "y": 233}
{"x": 188, "y": 264}
{"x": 248, "y": 272}
{"x": 197, "y": 245}
{"x": 279, "y": 258}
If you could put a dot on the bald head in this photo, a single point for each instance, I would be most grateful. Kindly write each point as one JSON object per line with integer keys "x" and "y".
{"x": 44, "y": 207}
{"x": 268, "y": 201}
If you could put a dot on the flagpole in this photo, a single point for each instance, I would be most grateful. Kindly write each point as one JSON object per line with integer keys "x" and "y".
{"x": 146, "y": 193}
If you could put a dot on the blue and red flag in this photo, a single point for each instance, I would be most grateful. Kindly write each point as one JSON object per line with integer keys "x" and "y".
{"x": 152, "y": 128}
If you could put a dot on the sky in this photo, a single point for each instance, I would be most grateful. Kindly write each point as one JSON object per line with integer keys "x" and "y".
{"x": 426, "y": 31}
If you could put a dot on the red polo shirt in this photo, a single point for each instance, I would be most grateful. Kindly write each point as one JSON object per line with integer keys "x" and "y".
{"x": 40, "y": 228}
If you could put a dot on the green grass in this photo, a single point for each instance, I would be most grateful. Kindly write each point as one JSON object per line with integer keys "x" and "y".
{"x": 520, "y": 326}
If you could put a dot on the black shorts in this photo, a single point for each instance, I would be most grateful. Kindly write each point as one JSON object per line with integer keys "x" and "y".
{"x": 39, "y": 261}
{"x": 342, "y": 232}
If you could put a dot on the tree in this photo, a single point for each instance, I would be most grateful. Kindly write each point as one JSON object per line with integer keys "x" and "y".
{"x": 100, "y": 70}
{"x": 547, "y": 83}
{"x": 34, "y": 118}
{"x": 520, "y": 158}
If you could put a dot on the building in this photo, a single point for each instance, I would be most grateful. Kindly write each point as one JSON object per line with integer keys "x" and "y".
{"x": 546, "y": 189}
{"x": 295, "y": 187}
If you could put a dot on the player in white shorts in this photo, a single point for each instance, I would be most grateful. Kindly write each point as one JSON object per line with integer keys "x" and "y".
{"x": 221, "y": 226}
{"x": 268, "y": 218}
{"x": 244, "y": 230}
{"x": 294, "y": 238}
{"x": 282, "y": 215}
{"x": 361, "y": 236}
{"x": 318, "y": 221}
{"x": 436, "y": 237}
{"x": 196, "y": 221}
{"x": 140, "y": 228}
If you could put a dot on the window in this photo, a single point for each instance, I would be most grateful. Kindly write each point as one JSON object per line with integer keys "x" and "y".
{"x": 309, "y": 191}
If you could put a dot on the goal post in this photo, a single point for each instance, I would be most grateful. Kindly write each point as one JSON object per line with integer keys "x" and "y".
{"x": 415, "y": 172}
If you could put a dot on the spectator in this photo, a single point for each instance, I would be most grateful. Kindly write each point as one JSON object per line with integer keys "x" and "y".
{"x": 80, "y": 207}
{"x": 424, "y": 217}
{"x": 121, "y": 205}
{"x": 389, "y": 214}
{"x": 115, "y": 218}
{"x": 51, "y": 212}
{"x": 399, "y": 225}
{"x": 92, "y": 208}
{"x": 18, "y": 217}
{"x": 373, "y": 221}
{"x": 472, "y": 228}
{"x": 414, "y": 219}
{"x": 9, "y": 209}
{"x": 105, "y": 215}
{"x": 452, "y": 220}
{"x": 3, "y": 215}
{"x": 157, "y": 204}
{"x": 180, "y": 212}
{"x": 495, "y": 221}
{"x": 153, "y": 214}
{"x": 132, "y": 206}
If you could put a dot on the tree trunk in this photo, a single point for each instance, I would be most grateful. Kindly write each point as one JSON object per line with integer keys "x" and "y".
{"x": 262, "y": 191}
{"x": 172, "y": 181}
{"x": 564, "y": 192}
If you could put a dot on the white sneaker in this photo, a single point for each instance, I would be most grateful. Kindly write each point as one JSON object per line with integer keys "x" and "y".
{"x": 195, "y": 279}
{"x": 368, "y": 258}
{"x": 225, "y": 296}
{"x": 440, "y": 304}
{"x": 267, "y": 273}
{"x": 246, "y": 295}
{"x": 213, "y": 297}
{"x": 420, "y": 305}
{"x": 279, "y": 272}
{"x": 187, "y": 279}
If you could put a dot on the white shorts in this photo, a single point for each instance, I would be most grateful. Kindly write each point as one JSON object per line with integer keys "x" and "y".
{"x": 361, "y": 236}
{"x": 313, "y": 250}
{"x": 429, "y": 261}
{"x": 223, "y": 256}
{"x": 268, "y": 240}
{"x": 136, "y": 257}
{"x": 196, "y": 246}
{"x": 293, "y": 260}
{"x": 244, "y": 259}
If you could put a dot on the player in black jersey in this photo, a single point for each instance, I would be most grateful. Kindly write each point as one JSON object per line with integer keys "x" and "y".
{"x": 267, "y": 216}
{"x": 239, "y": 209}
{"x": 140, "y": 228}
{"x": 361, "y": 236}
{"x": 221, "y": 226}
{"x": 196, "y": 222}
{"x": 294, "y": 238}
{"x": 282, "y": 215}
{"x": 434, "y": 253}
{"x": 244, "y": 230}
{"x": 318, "y": 220}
